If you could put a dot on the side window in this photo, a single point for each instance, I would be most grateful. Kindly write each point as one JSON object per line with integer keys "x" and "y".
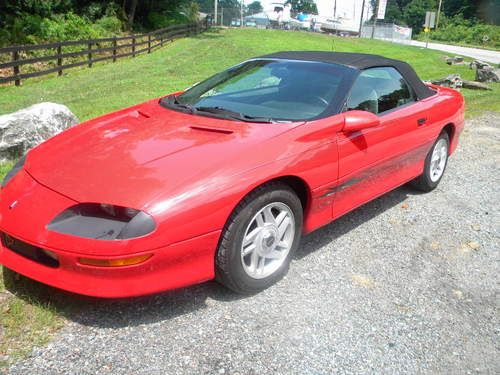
{"x": 379, "y": 90}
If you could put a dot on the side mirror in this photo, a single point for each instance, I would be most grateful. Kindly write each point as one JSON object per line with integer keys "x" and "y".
{"x": 358, "y": 120}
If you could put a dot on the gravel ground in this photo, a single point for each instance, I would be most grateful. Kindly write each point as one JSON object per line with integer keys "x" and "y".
{"x": 406, "y": 284}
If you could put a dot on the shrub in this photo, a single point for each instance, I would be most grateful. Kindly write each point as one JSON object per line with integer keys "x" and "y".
{"x": 160, "y": 20}
{"x": 109, "y": 24}
{"x": 191, "y": 11}
{"x": 68, "y": 27}
{"x": 24, "y": 27}
{"x": 458, "y": 30}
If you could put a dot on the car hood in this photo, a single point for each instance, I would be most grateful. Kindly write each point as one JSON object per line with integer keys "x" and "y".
{"x": 131, "y": 156}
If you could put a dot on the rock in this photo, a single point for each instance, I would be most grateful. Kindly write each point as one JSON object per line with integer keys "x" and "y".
{"x": 457, "y": 60}
{"x": 473, "y": 245}
{"x": 475, "y": 85}
{"x": 453, "y": 80}
{"x": 476, "y": 64}
{"x": 487, "y": 74}
{"x": 365, "y": 281}
{"x": 28, "y": 127}
{"x": 458, "y": 293}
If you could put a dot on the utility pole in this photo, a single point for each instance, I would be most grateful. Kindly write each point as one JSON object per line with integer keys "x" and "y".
{"x": 439, "y": 12}
{"x": 215, "y": 12}
{"x": 361, "y": 20}
{"x": 375, "y": 20}
{"x": 334, "y": 9}
{"x": 241, "y": 13}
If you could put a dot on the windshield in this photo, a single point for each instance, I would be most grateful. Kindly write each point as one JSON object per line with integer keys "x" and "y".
{"x": 269, "y": 90}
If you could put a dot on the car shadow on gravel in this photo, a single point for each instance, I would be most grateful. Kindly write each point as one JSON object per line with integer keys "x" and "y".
{"x": 117, "y": 313}
{"x": 352, "y": 220}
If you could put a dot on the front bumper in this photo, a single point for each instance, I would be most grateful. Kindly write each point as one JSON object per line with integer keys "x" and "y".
{"x": 25, "y": 209}
{"x": 174, "y": 266}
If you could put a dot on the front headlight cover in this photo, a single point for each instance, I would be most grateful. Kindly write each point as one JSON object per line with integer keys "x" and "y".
{"x": 15, "y": 169}
{"x": 102, "y": 222}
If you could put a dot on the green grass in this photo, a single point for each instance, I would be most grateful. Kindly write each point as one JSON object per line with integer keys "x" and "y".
{"x": 5, "y": 167}
{"x": 106, "y": 87}
{"x": 25, "y": 321}
{"x": 30, "y": 315}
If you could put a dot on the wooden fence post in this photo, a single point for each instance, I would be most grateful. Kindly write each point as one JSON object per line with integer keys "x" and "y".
{"x": 89, "y": 55}
{"x": 133, "y": 46}
{"x": 149, "y": 43}
{"x": 114, "y": 50}
{"x": 59, "y": 60}
{"x": 15, "y": 57}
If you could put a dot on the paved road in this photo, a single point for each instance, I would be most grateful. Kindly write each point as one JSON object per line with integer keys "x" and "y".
{"x": 405, "y": 284}
{"x": 475, "y": 53}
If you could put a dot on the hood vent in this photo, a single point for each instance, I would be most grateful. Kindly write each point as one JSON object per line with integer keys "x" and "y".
{"x": 212, "y": 130}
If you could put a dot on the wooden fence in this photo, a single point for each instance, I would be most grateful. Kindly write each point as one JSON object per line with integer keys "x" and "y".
{"x": 50, "y": 57}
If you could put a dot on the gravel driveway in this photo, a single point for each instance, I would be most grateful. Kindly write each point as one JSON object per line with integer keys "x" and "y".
{"x": 405, "y": 284}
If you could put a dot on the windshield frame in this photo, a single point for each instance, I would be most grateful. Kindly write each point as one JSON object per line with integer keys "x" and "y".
{"x": 348, "y": 75}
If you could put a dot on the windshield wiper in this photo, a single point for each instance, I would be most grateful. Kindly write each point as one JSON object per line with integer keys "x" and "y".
{"x": 173, "y": 101}
{"x": 232, "y": 114}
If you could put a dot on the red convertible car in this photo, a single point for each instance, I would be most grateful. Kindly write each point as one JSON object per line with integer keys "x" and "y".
{"x": 222, "y": 180}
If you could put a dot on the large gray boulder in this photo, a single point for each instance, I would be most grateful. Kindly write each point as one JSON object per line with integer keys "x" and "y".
{"x": 24, "y": 129}
{"x": 487, "y": 74}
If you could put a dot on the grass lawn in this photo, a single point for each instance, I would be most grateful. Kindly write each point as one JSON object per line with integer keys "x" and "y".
{"x": 28, "y": 317}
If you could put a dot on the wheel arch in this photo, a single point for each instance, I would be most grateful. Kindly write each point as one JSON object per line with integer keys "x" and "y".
{"x": 299, "y": 186}
{"x": 450, "y": 130}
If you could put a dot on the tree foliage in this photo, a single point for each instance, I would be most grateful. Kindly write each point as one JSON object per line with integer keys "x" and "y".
{"x": 254, "y": 8}
{"x": 29, "y": 21}
{"x": 412, "y": 12}
{"x": 230, "y": 9}
{"x": 459, "y": 30}
{"x": 303, "y": 6}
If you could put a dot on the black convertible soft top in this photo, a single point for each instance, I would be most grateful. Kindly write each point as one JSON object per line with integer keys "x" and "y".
{"x": 359, "y": 61}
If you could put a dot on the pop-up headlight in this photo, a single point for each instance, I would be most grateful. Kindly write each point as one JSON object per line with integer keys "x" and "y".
{"x": 102, "y": 222}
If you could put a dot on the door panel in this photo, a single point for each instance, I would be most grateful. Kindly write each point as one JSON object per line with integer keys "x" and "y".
{"x": 375, "y": 160}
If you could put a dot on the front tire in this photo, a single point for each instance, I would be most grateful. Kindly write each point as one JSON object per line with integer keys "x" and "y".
{"x": 435, "y": 165}
{"x": 259, "y": 239}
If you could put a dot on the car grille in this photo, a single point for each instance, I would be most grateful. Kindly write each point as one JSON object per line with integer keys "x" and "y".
{"x": 28, "y": 251}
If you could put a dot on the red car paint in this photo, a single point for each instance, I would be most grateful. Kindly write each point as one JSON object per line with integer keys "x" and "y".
{"x": 189, "y": 172}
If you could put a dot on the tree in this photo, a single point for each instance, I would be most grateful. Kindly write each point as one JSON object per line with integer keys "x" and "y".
{"x": 191, "y": 11}
{"x": 254, "y": 8}
{"x": 467, "y": 8}
{"x": 414, "y": 13}
{"x": 206, "y": 6}
{"x": 394, "y": 11}
{"x": 230, "y": 8}
{"x": 131, "y": 12}
{"x": 489, "y": 11}
{"x": 303, "y": 6}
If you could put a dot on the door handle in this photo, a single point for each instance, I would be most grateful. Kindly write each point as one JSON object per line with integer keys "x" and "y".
{"x": 421, "y": 121}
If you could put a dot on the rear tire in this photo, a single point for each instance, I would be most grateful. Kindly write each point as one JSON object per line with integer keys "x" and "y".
{"x": 259, "y": 239}
{"x": 435, "y": 165}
